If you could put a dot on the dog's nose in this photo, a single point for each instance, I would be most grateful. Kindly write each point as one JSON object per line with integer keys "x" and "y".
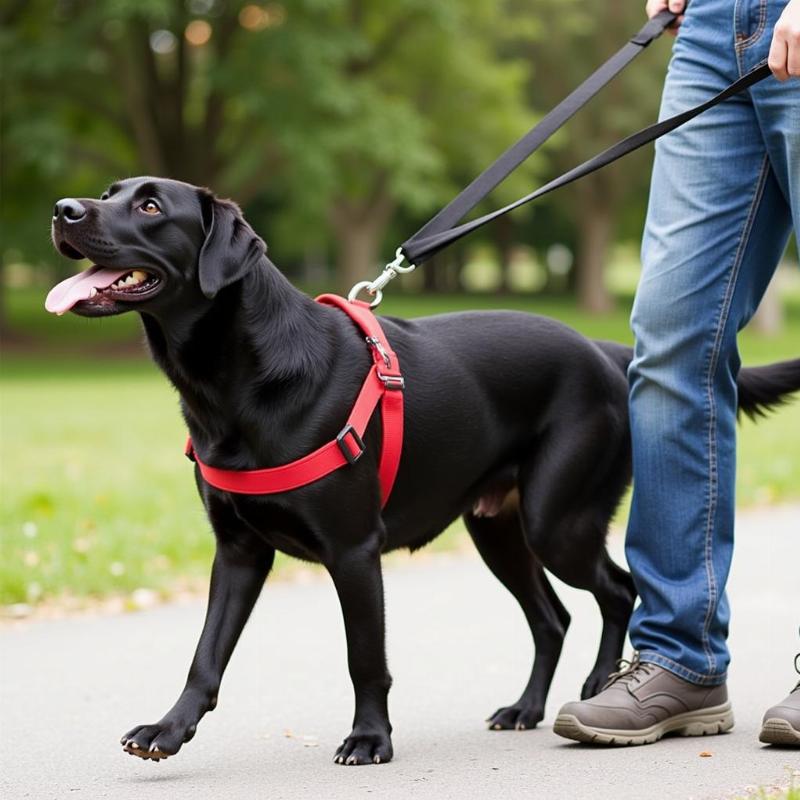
{"x": 69, "y": 210}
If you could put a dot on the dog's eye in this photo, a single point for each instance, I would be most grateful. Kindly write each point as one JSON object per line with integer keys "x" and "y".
{"x": 150, "y": 207}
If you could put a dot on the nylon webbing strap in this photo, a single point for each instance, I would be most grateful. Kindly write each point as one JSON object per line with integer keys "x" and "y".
{"x": 442, "y": 229}
{"x": 497, "y": 172}
{"x": 417, "y": 250}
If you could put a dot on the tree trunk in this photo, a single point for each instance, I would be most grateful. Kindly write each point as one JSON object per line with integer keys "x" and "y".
{"x": 595, "y": 223}
{"x": 359, "y": 229}
{"x": 358, "y": 252}
{"x": 430, "y": 276}
{"x": 440, "y": 273}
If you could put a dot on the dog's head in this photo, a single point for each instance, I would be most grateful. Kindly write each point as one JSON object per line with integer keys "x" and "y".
{"x": 151, "y": 241}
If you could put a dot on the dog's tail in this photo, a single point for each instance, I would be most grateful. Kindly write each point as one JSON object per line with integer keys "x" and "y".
{"x": 761, "y": 389}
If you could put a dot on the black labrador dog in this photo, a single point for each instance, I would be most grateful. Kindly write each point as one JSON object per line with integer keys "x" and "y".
{"x": 513, "y": 420}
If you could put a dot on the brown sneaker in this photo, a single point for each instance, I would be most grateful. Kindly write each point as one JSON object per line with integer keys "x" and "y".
{"x": 782, "y": 722}
{"x": 641, "y": 703}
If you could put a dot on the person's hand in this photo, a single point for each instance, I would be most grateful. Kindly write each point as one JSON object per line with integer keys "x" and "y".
{"x": 784, "y": 54}
{"x": 654, "y": 7}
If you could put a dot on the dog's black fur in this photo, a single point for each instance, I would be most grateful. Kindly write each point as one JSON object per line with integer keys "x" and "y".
{"x": 513, "y": 420}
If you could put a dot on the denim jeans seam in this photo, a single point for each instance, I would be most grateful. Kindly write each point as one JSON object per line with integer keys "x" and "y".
{"x": 652, "y": 657}
{"x": 741, "y": 45}
{"x": 713, "y": 362}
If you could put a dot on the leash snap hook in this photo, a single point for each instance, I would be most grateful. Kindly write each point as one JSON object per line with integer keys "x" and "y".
{"x": 399, "y": 258}
{"x": 375, "y": 287}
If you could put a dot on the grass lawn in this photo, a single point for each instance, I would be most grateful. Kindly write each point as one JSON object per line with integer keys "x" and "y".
{"x": 97, "y": 498}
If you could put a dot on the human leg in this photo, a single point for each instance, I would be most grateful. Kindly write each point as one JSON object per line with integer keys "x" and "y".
{"x": 717, "y": 224}
{"x": 718, "y": 221}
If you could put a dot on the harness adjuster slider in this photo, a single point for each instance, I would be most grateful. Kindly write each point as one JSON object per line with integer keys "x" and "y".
{"x": 349, "y": 455}
{"x": 396, "y": 382}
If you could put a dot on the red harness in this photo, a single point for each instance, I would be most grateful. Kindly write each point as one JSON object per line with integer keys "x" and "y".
{"x": 384, "y": 384}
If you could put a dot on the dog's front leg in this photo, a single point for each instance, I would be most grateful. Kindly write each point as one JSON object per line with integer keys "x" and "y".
{"x": 356, "y": 572}
{"x": 236, "y": 582}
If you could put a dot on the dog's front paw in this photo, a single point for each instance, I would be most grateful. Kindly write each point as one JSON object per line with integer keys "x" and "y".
{"x": 518, "y": 717}
{"x": 161, "y": 740}
{"x": 365, "y": 748}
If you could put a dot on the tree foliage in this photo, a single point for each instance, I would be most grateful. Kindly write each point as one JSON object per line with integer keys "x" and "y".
{"x": 564, "y": 54}
{"x": 327, "y": 119}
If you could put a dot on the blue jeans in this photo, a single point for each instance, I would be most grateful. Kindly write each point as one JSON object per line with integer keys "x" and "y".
{"x": 724, "y": 194}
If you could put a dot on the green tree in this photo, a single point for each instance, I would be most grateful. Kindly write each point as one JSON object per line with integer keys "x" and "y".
{"x": 563, "y": 55}
{"x": 426, "y": 101}
{"x": 332, "y": 113}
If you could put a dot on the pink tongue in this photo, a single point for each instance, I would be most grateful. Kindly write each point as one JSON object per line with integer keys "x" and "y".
{"x": 65, "y": 294}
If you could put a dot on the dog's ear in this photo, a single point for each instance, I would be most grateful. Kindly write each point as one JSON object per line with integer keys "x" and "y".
{"x": 231, "y": 249}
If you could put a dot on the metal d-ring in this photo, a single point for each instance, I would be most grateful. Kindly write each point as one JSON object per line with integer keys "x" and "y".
{"x": 360, "y": 287}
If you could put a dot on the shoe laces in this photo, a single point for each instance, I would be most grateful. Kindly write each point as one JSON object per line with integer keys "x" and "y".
{"x": 797, "y": 670}
{"x": 630, "y": 671}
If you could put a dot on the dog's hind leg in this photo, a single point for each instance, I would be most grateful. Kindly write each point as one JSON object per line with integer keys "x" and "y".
{"x": 569, "y": 490}
{"x": 615, "y": 594}
{"x": 500, "y": 542}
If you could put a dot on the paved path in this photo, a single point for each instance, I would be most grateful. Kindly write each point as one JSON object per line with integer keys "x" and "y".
{"x": 458, "y": 648}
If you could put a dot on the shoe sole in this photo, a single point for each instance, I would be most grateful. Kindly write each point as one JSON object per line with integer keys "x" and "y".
{"x": 704, "y": 722}
{"x": 779, "y": 731}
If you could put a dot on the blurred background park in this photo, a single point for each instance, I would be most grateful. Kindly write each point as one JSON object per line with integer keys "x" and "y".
{"x": 339, "y": 126}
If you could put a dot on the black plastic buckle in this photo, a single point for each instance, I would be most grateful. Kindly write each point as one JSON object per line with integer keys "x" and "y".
{"x": 346, "y": 451}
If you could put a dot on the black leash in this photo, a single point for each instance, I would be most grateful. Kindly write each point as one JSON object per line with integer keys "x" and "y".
{"x": 442, "y": 230}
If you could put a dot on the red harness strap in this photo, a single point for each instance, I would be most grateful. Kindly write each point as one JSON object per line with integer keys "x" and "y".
{"x": 384, "y": 384}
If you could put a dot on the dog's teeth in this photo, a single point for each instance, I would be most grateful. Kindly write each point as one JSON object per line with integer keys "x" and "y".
{"x": 138, "y": 275}
{"x": 93, "y": 292}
